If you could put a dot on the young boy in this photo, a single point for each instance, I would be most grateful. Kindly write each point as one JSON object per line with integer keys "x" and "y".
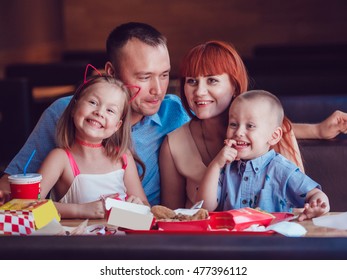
{"x": 254, "y": 174}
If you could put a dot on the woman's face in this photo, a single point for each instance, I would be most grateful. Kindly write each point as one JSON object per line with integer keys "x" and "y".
{"x": 208, "y": 96}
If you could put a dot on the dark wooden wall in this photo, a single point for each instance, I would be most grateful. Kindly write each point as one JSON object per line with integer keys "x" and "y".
{"x": 30, "y": 31}
{"x": 40, "y": 30}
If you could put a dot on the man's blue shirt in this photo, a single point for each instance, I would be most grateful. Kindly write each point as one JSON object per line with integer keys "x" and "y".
{"x": 147, "y": 136}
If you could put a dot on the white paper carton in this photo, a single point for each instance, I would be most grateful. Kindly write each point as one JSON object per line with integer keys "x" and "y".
{"x": 128, "y": 215}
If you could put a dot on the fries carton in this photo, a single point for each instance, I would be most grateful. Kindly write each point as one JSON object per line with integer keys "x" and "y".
{"x": 128, "y": 215}
{"x": 16, "y": 211}
{"x": 240, "y": 219}
{"x": 16, "y": 224}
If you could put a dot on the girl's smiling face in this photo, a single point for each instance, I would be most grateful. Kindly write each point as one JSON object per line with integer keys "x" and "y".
{"x": 208, "y": 96}
{"x": 97, "y": 114}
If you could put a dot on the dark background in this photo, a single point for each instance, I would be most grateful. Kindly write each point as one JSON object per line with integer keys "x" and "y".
{"x": 42, "y": 30}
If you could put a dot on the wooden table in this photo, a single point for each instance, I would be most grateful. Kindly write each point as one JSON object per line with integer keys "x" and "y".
{"x": 315, "y": 231}
{"x": 312, "y": 230}
{"x": 319, "y": 243}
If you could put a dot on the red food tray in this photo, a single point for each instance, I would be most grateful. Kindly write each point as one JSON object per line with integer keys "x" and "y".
{"x": 208, "y": 226}
{"x": 201, "y": 232}
{"x": 198, "y": 225}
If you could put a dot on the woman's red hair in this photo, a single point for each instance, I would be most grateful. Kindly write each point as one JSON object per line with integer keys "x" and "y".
{"x": 214, "y": 58}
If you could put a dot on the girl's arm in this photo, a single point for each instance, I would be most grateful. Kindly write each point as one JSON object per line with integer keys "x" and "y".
{"x": 133, "y": 183}
{"x": 91, "y": 210}
{"x": 172, "y": 183}
{"x": 51, "y": 170}
{"x": 335, "y": 124}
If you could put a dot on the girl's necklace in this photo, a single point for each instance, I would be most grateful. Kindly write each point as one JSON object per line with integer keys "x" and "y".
{"x": 204, "y": 140}
{"x": 90, "y": 145}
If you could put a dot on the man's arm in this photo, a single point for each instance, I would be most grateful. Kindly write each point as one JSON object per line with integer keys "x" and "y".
{"x": 42, "y": 139}
{"x": 335, "y": 124}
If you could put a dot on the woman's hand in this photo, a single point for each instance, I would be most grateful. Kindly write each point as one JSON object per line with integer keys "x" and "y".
{"x": 335, "y": 124}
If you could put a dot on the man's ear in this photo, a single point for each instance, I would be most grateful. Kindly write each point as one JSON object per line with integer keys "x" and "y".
{"x": 109, "y": 69}
{"x": 276, "y": 136}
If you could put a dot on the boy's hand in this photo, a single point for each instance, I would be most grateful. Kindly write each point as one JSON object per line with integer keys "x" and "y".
{"x": 232, "y": 143}
{"x": 313, "y": 209}
{"x": 227, "y": 155}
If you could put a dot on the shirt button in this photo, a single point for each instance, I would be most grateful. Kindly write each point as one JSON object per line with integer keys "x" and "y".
{"x": 245, "y": 179}
{"x": 244, "y": 201}
{"x": 256, "y": 169}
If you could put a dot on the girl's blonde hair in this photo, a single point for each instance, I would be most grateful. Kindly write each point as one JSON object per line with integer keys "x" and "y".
{"x": 118, "y": 143}
{"x": 218, "y": 57}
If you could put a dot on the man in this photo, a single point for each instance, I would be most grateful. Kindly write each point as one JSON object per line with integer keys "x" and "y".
{"x": 137, "y": 55}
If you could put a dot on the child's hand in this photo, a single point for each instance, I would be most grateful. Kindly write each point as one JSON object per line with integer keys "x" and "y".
{"x": 313, "y": 209}
{"x": 231, "y": 143}
{"x": 113, "y": 196}
{"x": 134, "y": 199}
{"x": 227, "y": 155}
{"x": 94, "y": 210}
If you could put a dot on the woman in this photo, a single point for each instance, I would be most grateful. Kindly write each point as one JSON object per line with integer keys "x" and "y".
{"x": 212, "y": 75}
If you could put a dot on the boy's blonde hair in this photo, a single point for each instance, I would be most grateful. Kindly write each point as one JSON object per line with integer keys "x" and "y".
{"x": 274, "y": 102}
{"x": 288, "y": 146}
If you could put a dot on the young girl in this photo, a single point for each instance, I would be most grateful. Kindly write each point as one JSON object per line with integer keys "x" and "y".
{"x": 95, "y": 155}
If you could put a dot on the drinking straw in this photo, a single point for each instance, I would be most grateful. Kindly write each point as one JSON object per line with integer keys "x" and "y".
{"x": 29, "y": 160}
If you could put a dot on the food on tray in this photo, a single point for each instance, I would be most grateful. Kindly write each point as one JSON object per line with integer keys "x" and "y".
{"x": 162, "y": 213}
{"x": 202, "y": 214}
